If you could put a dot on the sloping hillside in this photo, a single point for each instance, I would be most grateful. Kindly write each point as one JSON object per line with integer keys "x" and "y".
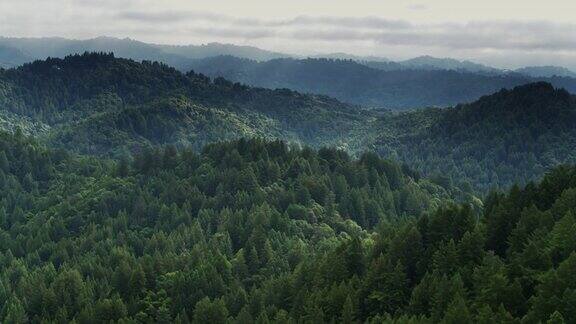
{"x": 153, "y": 103}
{"x": 512, "y": 136}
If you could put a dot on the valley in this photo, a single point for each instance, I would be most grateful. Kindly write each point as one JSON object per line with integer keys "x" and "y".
{"x": 132, "y": 192}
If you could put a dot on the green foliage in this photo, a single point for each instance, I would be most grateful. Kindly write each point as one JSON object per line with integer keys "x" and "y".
{"x": 512, "y": 136}
{"x": 96, "y": 103}
{"x": 254, "y": 230}
{"x": 170, "y": 234}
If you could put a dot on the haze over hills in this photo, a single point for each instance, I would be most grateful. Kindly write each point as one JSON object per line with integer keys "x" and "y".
{"x": 546, "y": 71}
{"x": 12, "y": 57}
{"x": 433, "y": 63}
{"x": 217, "y": 49}
{"x": 41, "y": 48}
{"x": 174, "y": 55}
{"x": 357, "y": 83}
{"x": 369, "y": 81}
{"x": 358, "y": 58}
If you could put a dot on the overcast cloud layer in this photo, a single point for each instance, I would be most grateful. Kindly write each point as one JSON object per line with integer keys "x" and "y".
{"x": 508, "y": 35}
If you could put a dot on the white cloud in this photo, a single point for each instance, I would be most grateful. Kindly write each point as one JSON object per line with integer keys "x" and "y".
{"x": 310, "y": 28}
{"x": 418, "y": 6}
{"x": 481, "y": 35}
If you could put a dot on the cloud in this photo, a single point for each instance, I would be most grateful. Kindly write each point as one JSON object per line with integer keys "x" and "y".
{"x": 154, "y": 17}
{"x": 350, "y": 22}
{"x": 148, "y": 20}
{"x": 172, "y": 16}
{"x": 303, "y": 20}
{"x": 482, "y": 35}
{"x": 418, "y": 7}
{"x": 233, "y": 33}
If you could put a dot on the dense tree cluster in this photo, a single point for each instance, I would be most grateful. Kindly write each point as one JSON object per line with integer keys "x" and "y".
{"x": 80, "y": 93}
{"x": 98, "y": 104}
{"x": 513, "y": 136}
{"x": 172, "y": 235}
{"x": 260, "y": 231}
{"x": 161, "y": 225}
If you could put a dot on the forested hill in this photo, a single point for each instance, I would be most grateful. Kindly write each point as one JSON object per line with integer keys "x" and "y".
{"x": 171, "y": 236}
{"x": 350, "y": 81}
{"x": 512, "y": 136}
{"x": 168, "y": 220}
{"x": 58, "y": 83}
{"x": 99, "y": 104}
{"x": 537, "y": 107}
{"x": 370, "y": 81}
{"x": 96, "y": 103}
{"x": 251, "y": 231}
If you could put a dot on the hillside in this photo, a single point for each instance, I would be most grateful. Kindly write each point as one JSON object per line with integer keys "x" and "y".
{"x": 287, "y": 162}
{"x": 101, "y": 105}
{"x": 169, "y": 220}
{"x": 96, "y": 103}
{"x": 383, "y": 85}
{"x": 512, "y": 136}
{"x": 160, "y": 235}
{"x": 251, "y": 229}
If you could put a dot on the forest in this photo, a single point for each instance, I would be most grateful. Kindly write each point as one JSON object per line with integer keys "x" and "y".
{"x": 98, "y": 104}
{"x": 512, "y": 136}
{"x": 133, "y": 193}
{"x": 257, "y": 231}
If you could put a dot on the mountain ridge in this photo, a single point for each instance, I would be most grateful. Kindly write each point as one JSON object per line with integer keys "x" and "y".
{"x": 358, "y": 83}
{"x": 43, "y": 47}
{"x": 546, "y": 71}
{"x": 420, "y": 82}
{"x": 64, "y": 92}
{"x": 103, "y": 105}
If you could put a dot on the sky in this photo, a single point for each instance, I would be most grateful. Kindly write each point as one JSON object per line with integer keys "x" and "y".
{"x": 501, "y": 33}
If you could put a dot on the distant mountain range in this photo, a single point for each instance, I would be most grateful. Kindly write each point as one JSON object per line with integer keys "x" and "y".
{"x": 546, "y": 71}
{"x": 12, "y": 57}
{"x": 433, "y": 63}
{"x": 28, "y": 49}
{"x": 373, "y": 82}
